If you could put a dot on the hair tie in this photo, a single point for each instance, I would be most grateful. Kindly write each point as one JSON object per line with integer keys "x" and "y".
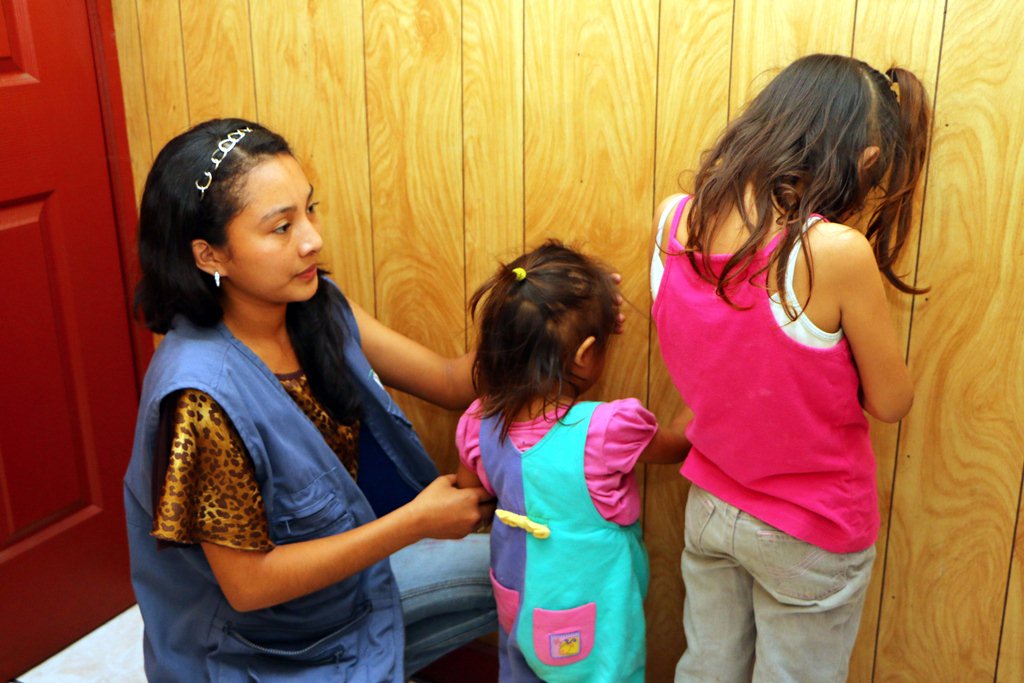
{"x": 894, "y": 84}
{"x": 520, "y": 274}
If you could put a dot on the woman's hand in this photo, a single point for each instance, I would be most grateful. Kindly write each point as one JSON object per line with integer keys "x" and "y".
{"x": 620, "y": 318}
{"x": 443, "y": 511}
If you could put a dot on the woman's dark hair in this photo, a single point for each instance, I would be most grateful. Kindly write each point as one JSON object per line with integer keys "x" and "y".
{"x": 174, "y": 212}
{"x": 531, "y": 327}
{"x": 798, "y": 147}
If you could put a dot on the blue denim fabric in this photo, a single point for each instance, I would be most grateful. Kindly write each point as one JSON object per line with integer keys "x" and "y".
{"x": 762, "y": 605}
{"x": 447, "y": 598}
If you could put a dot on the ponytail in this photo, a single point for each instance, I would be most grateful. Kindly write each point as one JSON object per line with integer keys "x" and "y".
{"x": 890, "y": 223}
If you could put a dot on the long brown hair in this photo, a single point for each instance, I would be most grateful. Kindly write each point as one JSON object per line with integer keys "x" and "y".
{"x": 798, "y": 146}
{"x": 531, "y": 324}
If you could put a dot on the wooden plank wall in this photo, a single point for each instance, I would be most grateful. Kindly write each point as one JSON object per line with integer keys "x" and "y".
{"x": 445, "y": 135}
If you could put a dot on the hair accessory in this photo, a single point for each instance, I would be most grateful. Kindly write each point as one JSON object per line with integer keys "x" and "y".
{"x": 216, "y": 278}
{"x": 520, "y": 274}
{"x": 223, "y": 147}
{"x": 894, "y": 85}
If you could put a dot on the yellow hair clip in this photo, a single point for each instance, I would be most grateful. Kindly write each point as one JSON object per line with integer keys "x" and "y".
{"x": 520, "y": 274}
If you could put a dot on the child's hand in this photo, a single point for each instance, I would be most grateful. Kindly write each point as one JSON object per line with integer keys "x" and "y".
{"x": 620, "y": 318}
{"x": 443, "y": 511}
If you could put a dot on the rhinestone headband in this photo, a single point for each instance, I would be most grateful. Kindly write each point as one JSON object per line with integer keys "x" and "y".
{"x": 223, "y": 147}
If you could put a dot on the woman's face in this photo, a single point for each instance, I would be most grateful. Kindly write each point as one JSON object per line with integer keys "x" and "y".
{"x": 274, "y": 241}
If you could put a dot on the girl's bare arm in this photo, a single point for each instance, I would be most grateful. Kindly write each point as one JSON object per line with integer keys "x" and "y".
{"x": 669, "y": 443}
{"x": 848, "y": 267}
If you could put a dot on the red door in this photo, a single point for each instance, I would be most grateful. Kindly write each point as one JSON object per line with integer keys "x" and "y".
{"x": 68, "y": 392}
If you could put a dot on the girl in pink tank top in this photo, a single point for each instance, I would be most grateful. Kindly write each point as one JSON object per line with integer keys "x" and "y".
{"x": 782, "y": 513}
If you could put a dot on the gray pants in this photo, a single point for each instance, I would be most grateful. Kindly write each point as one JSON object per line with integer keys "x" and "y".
{"x": 762, "y": 605}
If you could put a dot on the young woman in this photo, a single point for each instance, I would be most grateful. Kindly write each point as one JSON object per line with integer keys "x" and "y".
{"x": 272, "y": 477}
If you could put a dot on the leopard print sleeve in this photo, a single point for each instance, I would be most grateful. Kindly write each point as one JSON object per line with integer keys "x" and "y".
{"x": 209, "y": 491}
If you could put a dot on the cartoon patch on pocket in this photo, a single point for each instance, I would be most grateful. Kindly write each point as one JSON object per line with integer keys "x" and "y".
{"x": 564, "y": 644}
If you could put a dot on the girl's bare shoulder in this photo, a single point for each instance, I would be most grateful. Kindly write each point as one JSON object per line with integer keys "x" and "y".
{"x": 841, "y": 253}
{"x": 671, "y": 200}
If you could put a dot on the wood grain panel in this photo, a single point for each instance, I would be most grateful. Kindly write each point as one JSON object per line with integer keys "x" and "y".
{"x": 1011, "y": 644}
{"x": 589, "y": 150}
{"x": 960, "y": 465}
{"x": 218, "y": 59}
{"x": 133, "y": 90}
{"x": 549, "y": 108}
{"x": 769, "y": 35}
{"x": 414, "y": 114}
{"x": 163, "y": 66}
{"x": 909, "y": 35}
{"x": 310, "y": 87}
{"x": 692, "y": 111}
{"x": 492, "y": 105}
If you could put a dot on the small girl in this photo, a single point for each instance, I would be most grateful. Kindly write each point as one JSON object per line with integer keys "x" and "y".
{"x": 567, "y": 559}
{"x": 775, "y": 329}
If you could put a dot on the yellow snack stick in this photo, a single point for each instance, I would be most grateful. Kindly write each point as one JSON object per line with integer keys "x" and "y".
{"x": 523, "y": 522}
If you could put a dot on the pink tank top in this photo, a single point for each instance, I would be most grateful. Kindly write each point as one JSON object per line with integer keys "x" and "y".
{"x": 778, "y": 430}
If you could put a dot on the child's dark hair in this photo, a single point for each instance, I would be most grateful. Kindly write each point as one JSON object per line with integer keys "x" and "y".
{"x": 798, "y": 147}
{"x": 174, "y": 212}
{"x": 534, "y": 313}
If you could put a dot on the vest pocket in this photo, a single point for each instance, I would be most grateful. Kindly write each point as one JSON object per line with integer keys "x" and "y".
{"x": 508, "y": 604}
{"x": 292, "y": 644}
{"x": 323, "y": 517}
{"x": 562, "y": 637}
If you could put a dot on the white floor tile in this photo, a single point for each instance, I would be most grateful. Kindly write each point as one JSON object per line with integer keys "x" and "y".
{"x": 110, "y": 654}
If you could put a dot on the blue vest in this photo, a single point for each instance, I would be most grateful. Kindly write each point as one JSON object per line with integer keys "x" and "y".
{"x": 570, "y": 587}
{"x": 350, "y": 631}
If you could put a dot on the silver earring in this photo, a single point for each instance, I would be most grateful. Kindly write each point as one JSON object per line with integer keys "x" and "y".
{"x": 216, "y": 278}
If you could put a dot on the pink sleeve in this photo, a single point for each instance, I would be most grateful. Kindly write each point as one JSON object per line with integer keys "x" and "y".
{"x": 467, "y": 440}
{"x": 619, "y": 432}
